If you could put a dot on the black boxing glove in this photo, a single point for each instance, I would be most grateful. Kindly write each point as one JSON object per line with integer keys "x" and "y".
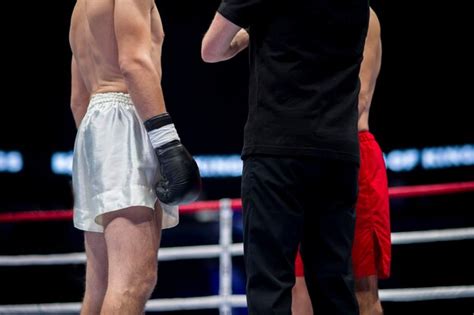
{"x": 180, "y": 180}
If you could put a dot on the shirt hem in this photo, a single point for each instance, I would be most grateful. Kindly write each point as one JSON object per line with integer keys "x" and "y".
{"x": 299, "y": 151}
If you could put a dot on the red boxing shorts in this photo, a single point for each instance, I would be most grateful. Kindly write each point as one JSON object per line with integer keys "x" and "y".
{"x": 371, "y": 251}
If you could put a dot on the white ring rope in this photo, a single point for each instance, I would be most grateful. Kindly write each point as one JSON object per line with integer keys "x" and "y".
{"x": 214, "y": 251}
{"x": 165, "y": 254}
{"x": 424, "y": 294}
{"x": 224, "y": 251}
{"x": 212, "y": 302}
{"x": 432, "y": 236}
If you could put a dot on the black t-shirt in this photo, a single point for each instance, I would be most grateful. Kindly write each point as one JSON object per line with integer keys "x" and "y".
{"x": 304, "y": 65}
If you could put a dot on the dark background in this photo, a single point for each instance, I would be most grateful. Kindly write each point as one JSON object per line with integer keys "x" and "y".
{"x": 423, "y": 98}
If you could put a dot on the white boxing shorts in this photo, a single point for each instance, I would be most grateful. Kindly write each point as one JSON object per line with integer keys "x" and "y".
{"x": 114, "y": 166}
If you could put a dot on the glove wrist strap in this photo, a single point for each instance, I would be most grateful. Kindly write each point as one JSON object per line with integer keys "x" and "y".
{"x": 161, "y": 130}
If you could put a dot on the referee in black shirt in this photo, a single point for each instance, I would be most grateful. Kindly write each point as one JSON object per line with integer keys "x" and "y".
{"x": 301, "y": 149}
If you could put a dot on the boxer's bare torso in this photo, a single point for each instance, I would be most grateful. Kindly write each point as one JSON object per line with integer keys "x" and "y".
{"x": 94, "y": 44}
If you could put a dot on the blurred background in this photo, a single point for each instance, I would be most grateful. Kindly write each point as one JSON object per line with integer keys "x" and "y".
{"x": 421, "y": 115}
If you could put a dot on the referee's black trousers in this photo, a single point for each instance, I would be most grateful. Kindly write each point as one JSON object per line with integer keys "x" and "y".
{"x": 293, "y": 200}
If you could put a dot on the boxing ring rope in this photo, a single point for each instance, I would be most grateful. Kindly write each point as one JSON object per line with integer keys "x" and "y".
{"x": 225, "y": 301}
{"x": 235, "y": 249}
{"x": 429, "y": 190}
{"x": 208, "y": 302}
{"x": 236, "y": 204}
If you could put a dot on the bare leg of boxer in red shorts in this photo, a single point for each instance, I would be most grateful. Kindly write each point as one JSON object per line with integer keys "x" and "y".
{"x": 371, "y": 249}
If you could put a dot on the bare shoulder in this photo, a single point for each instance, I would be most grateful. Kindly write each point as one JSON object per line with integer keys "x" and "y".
{"x": 77, "y": 19}
{"x": 374, "y": 24}
{"x": 156, "y": 24}
{"x": 76, "y": 13}
{"x": 98, "y": 10}
{"x": 153, "y": 6}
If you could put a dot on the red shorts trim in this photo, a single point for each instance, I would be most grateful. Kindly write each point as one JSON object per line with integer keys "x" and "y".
{"x": 371, "y": 251}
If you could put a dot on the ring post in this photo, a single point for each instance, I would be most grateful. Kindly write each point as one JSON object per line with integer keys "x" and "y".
{"x": 225, "y": 261}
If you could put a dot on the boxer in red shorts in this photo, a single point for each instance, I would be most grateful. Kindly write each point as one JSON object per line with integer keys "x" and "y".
{"x": 371, "y": 250}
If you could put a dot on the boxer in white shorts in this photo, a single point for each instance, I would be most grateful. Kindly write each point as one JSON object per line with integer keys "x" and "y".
{"x": 99, "y": 185}
{"x": 127, "y": 151}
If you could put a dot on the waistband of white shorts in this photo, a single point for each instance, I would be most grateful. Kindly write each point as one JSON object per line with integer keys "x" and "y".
{"x": 111, "y": 98}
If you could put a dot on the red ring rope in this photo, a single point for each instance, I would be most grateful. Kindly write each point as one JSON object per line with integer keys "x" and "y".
{"x": 214, "y": 205}
{"x": 429, "y": 190}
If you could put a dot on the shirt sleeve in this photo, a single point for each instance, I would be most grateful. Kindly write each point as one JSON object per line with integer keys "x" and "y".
{"x": 240, "y": 12}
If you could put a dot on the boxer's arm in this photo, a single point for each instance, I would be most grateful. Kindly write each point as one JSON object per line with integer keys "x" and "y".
{"x": 223, "y": 40}
{"x": 132, "y": 22}
{"x": 371, "y": 64}
{"x": 79, "y": 94}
